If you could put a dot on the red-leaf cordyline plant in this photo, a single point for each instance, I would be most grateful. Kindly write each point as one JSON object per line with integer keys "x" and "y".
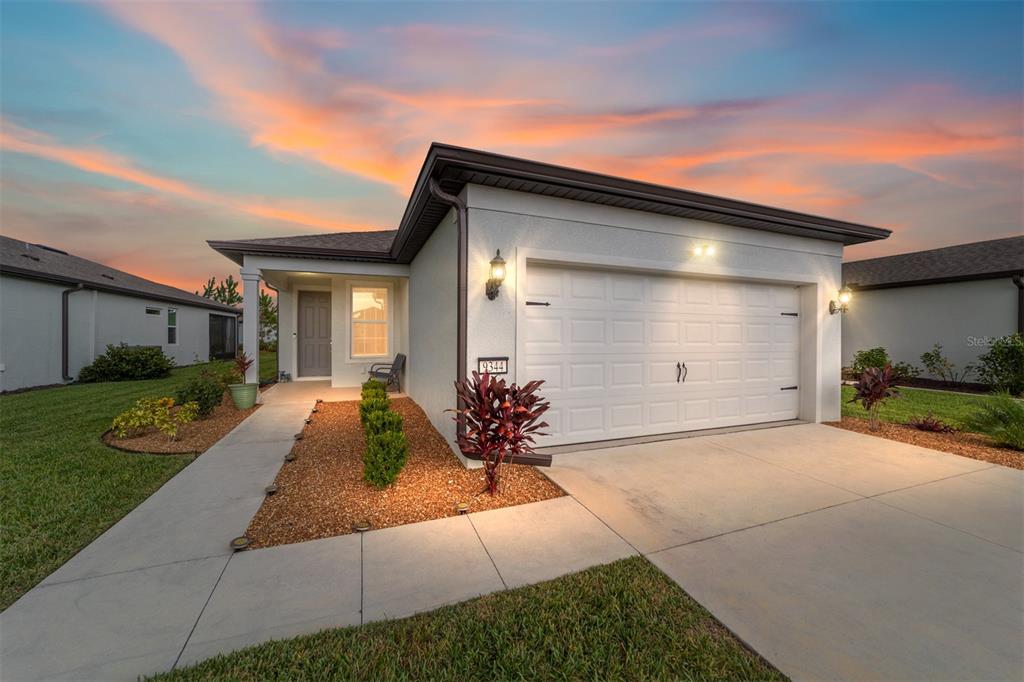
{"x": 501, "y": 421}
{"x": 242, "y": 364}
{"x": 873, "y": 389}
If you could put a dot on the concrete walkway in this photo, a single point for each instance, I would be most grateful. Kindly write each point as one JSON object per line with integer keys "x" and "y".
{"x": 835, "y": 555}
{"x": 160, "y": 588}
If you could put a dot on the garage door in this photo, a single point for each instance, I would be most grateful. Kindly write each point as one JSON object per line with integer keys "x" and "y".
{"x": 627, "y": 354}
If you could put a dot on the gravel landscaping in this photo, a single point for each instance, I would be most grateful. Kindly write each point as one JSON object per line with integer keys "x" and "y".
{"x": 193, "y": 438}
{"x": 965, "y": 444}
{"x": 322, "y": 493}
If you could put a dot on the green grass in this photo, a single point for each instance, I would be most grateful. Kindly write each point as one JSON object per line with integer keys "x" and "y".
{"x": 626, "y": 620}
{"x": 61, "y": 486}
{"x": 268, "y": 365}
{"x": 950, "y": 407}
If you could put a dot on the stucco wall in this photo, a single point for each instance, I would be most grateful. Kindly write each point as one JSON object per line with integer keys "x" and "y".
{"x": 529, "y": 226}
{"x": 30, "y": 330}
{"x": 907, "y": 321}
{"x": 433, "y": 327}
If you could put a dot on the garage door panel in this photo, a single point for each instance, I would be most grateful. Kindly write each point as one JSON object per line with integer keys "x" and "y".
{"x": 609, "y": 343}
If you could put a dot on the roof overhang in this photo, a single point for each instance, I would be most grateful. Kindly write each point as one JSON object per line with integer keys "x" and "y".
{"x": 236, "y": 251}
{"x": 977, "y": 277}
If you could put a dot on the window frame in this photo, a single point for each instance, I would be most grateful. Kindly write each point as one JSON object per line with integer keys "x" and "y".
{"x": 172, "y": 326}
{"x": 389, "y": 322}
{"x": 151, "y": 310}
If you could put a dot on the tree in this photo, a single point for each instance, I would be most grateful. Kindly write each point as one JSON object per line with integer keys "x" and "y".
{"x": 268, "y": 320}
{"x": 225, "y": 292}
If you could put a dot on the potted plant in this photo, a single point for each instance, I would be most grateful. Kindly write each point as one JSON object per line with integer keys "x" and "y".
{"x": 243, "y": 394}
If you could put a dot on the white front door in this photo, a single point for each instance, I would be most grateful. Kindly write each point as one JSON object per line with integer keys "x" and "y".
{"x": 626, "y": 354}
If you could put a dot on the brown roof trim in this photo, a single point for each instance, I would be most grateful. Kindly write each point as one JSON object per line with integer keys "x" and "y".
{"x": 936, "y": 280}
{"x": 59, "y": 279}
{"x": 235, "y": 250}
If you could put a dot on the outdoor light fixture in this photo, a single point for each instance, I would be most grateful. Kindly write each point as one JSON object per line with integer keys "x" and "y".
{"x": 497, "y": 276}
{"x": 704, "y": 250}
{"x": 843, "y": 304}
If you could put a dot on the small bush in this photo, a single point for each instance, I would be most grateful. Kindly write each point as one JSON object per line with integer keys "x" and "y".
{"x": 154, "y": 412}
{"x": 1002, "y": 367}
{"x": 872, "y": 357}
{"x": 1001, "y": 417}
{"x": 373, "y": 388}
{"x": 383, "y": 421}
{"x": 384, "y": 458}
{"x": 205, "y": 389}
{"x": 127, "y": 363}
{"x": 874, "y": 388}
{"x": 904, "y": 370}
{"x": 372, "y": 404}
{"x": 940, "y": 366}
{"x": 930, "y": 423}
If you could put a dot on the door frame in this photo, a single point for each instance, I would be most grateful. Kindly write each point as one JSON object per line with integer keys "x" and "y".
{"x": 298, "y": 321}
{"x": 812, "y": 300}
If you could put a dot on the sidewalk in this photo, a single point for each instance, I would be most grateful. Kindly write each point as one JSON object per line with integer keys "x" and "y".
{"x": 161, "y": 588}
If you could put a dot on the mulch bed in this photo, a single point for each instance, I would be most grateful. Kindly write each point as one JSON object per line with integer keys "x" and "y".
{"x": 973, "y": 445}
{"x": 322, "y": 493}
{"x": 192, "y": 438}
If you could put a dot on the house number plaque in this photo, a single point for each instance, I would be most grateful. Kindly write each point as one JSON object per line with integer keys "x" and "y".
{"x": 492, "y": 365}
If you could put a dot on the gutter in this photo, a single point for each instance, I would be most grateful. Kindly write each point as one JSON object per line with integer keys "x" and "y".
{"x": 277, "y": 331}
{"x": 462, "y": 219}
{"x": 65, "y": 328}
{"x": 1019, "y": 281}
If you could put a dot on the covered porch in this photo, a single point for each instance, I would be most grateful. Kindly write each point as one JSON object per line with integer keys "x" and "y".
{"x": 336, "y": 319}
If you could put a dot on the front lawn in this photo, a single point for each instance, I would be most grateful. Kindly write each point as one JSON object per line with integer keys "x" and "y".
{"x": 626, "y": 620}
{"x": 950, "y": 407}
{"x": 268, "y": 365}
{"x": 61, "y": 486}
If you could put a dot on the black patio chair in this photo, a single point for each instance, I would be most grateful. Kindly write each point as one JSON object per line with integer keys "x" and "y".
{"x": 389, "y": 372}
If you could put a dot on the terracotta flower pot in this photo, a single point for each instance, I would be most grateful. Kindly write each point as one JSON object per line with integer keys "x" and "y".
{"x": 244, "y": 395}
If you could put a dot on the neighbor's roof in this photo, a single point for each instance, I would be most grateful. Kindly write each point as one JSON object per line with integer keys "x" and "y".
{"x": 978, "y": 260}
{"x": 455, "y": 167}
{"x": 36, "y": 261}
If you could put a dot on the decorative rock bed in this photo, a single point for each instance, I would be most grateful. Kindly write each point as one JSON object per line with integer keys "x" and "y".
{"x": 193, "y": 438}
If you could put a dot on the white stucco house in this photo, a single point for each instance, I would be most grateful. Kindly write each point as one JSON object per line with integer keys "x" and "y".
{"x": 960, "y": 296}
{"x": 58, "y": 312}
{"x": 646, "y": 309}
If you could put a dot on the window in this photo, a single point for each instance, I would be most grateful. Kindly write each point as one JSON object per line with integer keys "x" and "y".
{"x": 172, "y": 326}
{"x": 369, "y": 322}
{"x": 152, "y": 311}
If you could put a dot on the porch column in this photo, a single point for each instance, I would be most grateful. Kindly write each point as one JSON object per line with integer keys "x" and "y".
{"x": 251, "y": 322}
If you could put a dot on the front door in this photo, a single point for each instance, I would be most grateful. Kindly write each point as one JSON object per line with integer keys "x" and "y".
{"x": 314, "y": 333}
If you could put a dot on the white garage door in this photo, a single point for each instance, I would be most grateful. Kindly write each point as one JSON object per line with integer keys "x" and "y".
{"x": 627, "y": 354}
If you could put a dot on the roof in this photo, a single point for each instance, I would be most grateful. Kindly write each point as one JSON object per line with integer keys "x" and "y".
{"x": 455, "y": 167}
{"x": 345, "y": 245}
{"x": 36, "y": 261}
{"x": 977, "y": 260}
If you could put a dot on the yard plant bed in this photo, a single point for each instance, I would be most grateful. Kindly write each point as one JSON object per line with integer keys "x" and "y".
{"x": 965, "y": 444}
{"x": 322, "y": 493}
{"x": 623, "y": 621}
{"x": 193, "y": 438}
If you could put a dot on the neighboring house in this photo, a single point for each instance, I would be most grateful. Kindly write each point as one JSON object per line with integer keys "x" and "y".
{"x": 58, "y": 312}
{"x": 961, "y": 297}
{"x": 646, "y": 309}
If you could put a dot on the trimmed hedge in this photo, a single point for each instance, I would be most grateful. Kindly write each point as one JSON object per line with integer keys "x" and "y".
{"x": 127, "y": 363}
{"x": 382, "y": 422}
{"x": 373, "y": 388}
{"x": 386, "y": 454}
{"x": 371, "y": 404}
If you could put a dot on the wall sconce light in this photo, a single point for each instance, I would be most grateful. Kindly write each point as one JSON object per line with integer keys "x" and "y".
{"x": 497, "y": 276}
{"x": 843, "y": 304}
{"x": 704, "y": 250}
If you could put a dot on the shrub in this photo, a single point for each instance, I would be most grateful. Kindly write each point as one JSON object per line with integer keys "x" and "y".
{"x": 371, "y": 404}
{"x": 154, "y": 412}
{"x": 384, "y": 458}
{"x": 127, "y": 363}
{"x": 205, "y": 389}
{"x": 872, "y": 357}
{"x": 501, "y": 421}
{"x": 930, "y": 423}
{"x": 874, "y": 388}
{"x": 940, "y": 366}
{"x": 373, "y": 388}
{"x": 1002, "y": 367}
{"x": 383, "y": 421}
{"x": 904, "y": 370}
{"x": 1001, "y": 417}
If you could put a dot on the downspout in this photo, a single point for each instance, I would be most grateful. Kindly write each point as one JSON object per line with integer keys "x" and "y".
{"x": 277, "y": 331}
{"x": 65, "y": 329}
{"x": 462, "y": 220}
{"x": 1019, "y": 281}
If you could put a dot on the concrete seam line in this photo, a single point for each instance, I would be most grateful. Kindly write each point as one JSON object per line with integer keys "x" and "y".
{"x": 937, "y": 480}
{"x": 41, "y": 586}
{"x": 202, "y": 611}
{"x": 469, "y": 517}
{"x": 944, "y": 525}
{"x": 617, "y": 534}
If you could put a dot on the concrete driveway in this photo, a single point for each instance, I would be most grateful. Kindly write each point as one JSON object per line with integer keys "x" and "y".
{"x": 835, "y": 555}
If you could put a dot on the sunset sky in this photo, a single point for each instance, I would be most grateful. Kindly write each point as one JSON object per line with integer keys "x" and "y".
{"x": 133, "y": 132}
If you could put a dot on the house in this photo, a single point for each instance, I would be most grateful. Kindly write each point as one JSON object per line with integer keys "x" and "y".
{"x": 645, "y": 309}
{"x": 961, "y": 297}
{"x": 58, "y": 312}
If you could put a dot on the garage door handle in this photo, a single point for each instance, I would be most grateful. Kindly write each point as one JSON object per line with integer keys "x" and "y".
{"x": 681, "y": 372}
{"x": 788, "y": 388}
{"x": 537, "y": 303}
